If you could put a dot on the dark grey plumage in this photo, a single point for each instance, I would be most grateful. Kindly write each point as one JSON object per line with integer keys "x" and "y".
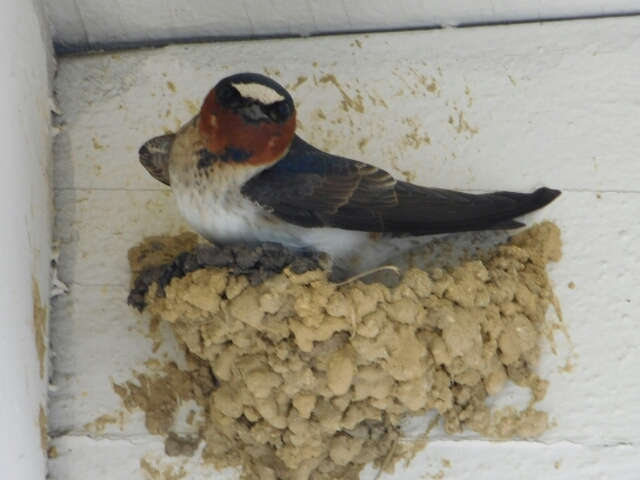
{"x": 311, "y": 188}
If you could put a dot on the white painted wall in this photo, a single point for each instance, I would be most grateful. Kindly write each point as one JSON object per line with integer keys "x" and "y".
{"x": 515, "y": 107}
{"x": 576, "y": 83}
{"x": 81, "y": 24}
{"x": 25, "y": 232}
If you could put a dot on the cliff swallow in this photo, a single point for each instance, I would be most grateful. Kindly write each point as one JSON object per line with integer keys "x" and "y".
{"x": 240, "y": 174}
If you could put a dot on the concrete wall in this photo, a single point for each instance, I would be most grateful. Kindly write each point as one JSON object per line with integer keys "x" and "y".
{"x": 576, "y": 82}
{"x": 82, "y": 24}
{"x": 25, "y": 237}
{"x": 504, "y": 108}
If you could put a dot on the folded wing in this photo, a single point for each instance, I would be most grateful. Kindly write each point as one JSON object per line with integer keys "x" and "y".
{"x": 154, "y": 156}
{"x": 311, "y": 188}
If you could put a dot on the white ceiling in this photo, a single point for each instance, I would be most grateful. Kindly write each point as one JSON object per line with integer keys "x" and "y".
{"x": 91, "y": 24}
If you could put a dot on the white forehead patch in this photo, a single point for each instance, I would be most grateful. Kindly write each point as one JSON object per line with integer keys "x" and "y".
{"x": 256, "y": 91}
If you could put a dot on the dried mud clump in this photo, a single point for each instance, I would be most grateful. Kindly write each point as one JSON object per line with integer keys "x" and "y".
{"x": 158, "y": 260}
{"x": 311, "y": 379}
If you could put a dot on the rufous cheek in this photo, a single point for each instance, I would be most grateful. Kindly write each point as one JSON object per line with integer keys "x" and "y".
{"x": 221, "y": 129}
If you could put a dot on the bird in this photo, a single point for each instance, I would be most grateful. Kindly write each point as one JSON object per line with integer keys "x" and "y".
{"x": 241, "y": 175}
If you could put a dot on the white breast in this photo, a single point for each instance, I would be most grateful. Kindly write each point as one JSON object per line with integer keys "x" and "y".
{"x": 219, "y": 218}
{"x": 234, "y": 219}
{"x": 222, "y": 215}
{"x": 230, "y": 218}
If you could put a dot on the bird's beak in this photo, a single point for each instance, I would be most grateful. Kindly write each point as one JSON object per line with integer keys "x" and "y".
{"x": 253, "y": 113}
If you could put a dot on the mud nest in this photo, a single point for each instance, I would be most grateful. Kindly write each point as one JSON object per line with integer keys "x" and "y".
{"x": 301, "y": 378}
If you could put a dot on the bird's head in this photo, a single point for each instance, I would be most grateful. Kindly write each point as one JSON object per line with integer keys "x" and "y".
{"x": 249, "y": 118}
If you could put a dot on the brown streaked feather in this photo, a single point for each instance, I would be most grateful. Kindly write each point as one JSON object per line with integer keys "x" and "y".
{"x": 154, "y": 156}
{"x": 311, "y": 188}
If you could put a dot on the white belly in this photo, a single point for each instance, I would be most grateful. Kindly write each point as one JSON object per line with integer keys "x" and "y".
{"x": 219, "y": 219}
{"x": 231, "y": 218}
{"x": 234, "y": 219}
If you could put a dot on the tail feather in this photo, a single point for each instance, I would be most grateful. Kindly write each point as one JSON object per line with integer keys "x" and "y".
{"x": 461, "y": 212}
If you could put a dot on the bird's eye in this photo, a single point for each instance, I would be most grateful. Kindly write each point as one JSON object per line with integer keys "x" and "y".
{"x": 225, "y": 93}
{"x": 280, "y": 111}
{"x": 283, "y": 109}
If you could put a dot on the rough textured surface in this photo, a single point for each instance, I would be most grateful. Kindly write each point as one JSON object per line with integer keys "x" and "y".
{"x": 301, "y": 378}
{"x": 160, "y": 259}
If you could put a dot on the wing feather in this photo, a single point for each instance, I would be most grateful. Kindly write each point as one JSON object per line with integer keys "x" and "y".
{"x": 311, "y": 188}
{"x": 154, "y": 156}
